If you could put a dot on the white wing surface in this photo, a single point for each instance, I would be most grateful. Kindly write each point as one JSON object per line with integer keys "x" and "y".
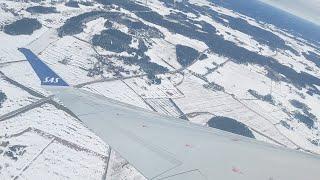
{"x": 162, "y": 147}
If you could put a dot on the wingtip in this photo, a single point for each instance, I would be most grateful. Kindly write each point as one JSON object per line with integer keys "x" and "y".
{"x": 47, "y": 76}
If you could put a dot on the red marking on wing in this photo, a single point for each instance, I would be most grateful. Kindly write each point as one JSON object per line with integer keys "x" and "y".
{"x": 236, "y": 170}
{"x": 188, "y": 145}
{"x": 235, "y": 139}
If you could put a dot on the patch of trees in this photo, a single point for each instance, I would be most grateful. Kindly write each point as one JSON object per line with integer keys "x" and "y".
{"x": 3, "y": 97}
{"x": 73, "y": 4}
{"x": 304, "y": 119}
{"x": 75, "y": 25}
{"x": 25, "y": 26}
{"x": 307, "y": 117}
{"x": 267, "y": 98}
{"x": 112, "y": 40}
{"x": 313, "y": 57}
{"x": 41, "y": 10}
{"x": 186, "y": 55}
{"x": 230, "y": 125}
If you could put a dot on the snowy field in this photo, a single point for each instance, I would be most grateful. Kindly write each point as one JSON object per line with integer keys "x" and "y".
{"x": 195, "y": 60}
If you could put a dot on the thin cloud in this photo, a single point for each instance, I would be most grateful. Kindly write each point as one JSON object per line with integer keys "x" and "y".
{"x": 306, "y": 9}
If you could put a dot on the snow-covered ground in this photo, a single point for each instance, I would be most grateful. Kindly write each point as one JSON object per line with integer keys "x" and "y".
{"x": 47, "y": 140}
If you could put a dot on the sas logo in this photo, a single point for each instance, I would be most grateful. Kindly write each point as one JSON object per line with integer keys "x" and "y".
{"x": 51, "y": 80}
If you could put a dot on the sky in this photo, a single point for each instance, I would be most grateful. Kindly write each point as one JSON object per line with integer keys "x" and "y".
{"x": 306, "y": 9}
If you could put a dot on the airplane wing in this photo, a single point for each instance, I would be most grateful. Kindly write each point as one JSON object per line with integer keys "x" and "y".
{"x": 162, "y": 147}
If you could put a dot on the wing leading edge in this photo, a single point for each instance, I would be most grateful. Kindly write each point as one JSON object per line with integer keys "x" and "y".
{"x": 162, "y": 147}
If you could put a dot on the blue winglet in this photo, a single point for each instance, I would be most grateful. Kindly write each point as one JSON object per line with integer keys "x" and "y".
{"x": 45, "y": 74}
